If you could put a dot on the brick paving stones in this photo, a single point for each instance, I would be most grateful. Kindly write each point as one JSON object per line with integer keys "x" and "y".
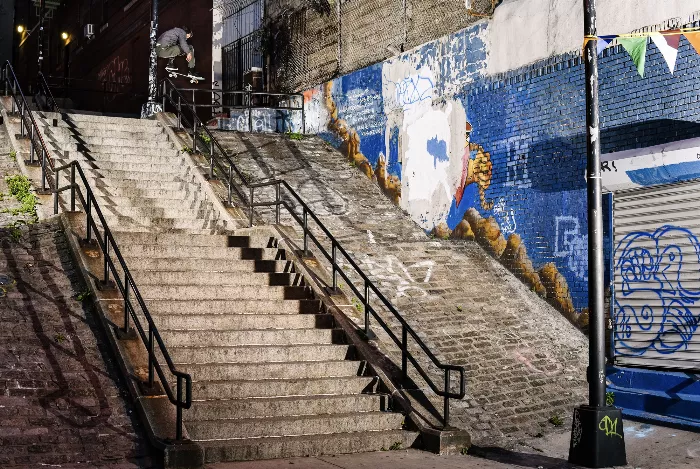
{"x": 61, "y": 402}
{"x": 525, "y": 362}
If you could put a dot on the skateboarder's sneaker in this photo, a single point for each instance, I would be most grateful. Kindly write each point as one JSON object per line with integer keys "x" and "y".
{"x": 194, "y": 75}
{"x": 171, "y": 66}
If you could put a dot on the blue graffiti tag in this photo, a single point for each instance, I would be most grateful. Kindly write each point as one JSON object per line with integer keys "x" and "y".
{"x": 653, "y": 301}
{"x": 438, "y": 149}
{"x": 412, "y": 90}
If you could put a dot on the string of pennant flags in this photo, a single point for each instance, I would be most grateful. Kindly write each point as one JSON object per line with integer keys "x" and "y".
{"x": 635, "y": 44}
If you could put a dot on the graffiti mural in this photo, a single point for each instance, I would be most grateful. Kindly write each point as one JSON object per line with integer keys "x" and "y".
{"x": 654, "y": 304}
{"x": 501, "y": 159}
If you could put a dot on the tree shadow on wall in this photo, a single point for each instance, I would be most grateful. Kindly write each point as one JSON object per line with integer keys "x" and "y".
{"x": 549, "y": 164}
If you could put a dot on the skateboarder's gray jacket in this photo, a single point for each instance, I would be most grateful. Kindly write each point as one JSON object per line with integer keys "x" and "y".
{"x": 175, "y": 36}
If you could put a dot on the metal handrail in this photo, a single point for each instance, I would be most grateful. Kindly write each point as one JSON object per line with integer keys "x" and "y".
{"x": 169, "y": 92}
{"x": 28, "y": 126}
{"x": 46, "y": 90}
{"x": 247, "y": 98}
{"x": 128, "y": 290}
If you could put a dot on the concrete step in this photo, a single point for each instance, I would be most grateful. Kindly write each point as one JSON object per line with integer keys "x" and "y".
{"x": 135, "y": 187}
{"x": 151, "y": 277}
{"x": 293, "y": 426}
{"x": 248, "y": 449}
{"x": 177, "y": 264}
{"x": 100, "y": 158}
{"x": 192, "y": 202}
{"x": 139, "y": 212}
{"x": 115, "y": 122}
{"x": 275, "y": 370}
{"x": 158, "y": 142}
{"x": 233, "y": 338}
{"x": 202, "y": 252}
{"x": 233, "y": 322}
{"x": 260, "y": 353}
{"x": 231, "y": 293}
{"x": 162, "y": 149}
{"x": 85, "y": 126}
{"x": 285, "y": 406}
{"x": 249, "y": 306}
{"x": 245, "y": 388}
{"x": 162, "y": 224}
{"x": 258, "y": 241}
{"x": 164, "y": 167}
{"x": 66, "y": 134}
{"x": 145, "y": 178}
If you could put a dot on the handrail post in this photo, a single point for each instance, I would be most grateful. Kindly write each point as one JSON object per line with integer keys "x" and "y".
{"x": 126, "y": 305}
{"x": 178, "y": 407}
{"x": 194, "y": 134}
{"x": 278, "y": 201}
{"x": 21, "y": 119}
{"x": 43, "y": 169}
{"x": 446, "y": 409}
{"x": 31, "y": 148}
{"x": 250, "y": 221}
{"x": 334, "y": 248}
{"x": 303, "y": 118}
{"x": 179, "y": 112}
{"x": 230, "y": 184}
{"x": 88, "y": 209}
{"x": 106, "y": 255}
{"x": 366, "y": 308}
{"x": 306, "y": 233}
{"x": 73, "y": 187}
{"x": 55, "y": 195}
{"x": 404, "y": 351}
{"x": 150, "y": 355}
{"x": 250, "y": 111}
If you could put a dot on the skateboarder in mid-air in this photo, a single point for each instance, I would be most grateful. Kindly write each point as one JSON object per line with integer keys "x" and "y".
{"x": 173, "y": 43}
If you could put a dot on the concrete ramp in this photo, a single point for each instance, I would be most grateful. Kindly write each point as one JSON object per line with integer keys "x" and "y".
{"x": 526, "y": 363}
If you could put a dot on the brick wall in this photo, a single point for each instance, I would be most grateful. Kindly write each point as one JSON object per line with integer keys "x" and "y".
{"x": 502, "y": 158}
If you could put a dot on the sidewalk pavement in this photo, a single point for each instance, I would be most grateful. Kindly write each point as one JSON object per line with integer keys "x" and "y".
{"x": 648, "y": 447}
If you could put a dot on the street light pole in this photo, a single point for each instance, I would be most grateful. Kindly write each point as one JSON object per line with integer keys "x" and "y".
{"x": 40, "y": 59}
{"x": 152, "y": 106}
{"x": 597, "y": 437}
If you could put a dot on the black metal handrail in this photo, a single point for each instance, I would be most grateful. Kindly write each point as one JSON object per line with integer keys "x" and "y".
{"x": 48, "y": 95}
{"x": 28, "y": 126}
{"x": 249, "y": 100}
{"x": 228, "y": 167}
{"x": 128, "y": 290}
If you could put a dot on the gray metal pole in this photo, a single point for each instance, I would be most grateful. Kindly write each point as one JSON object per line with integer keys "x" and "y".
{"x": 589, "y": 446}
{"x": 152, "y": 106}
{"x": 596, "y": 293}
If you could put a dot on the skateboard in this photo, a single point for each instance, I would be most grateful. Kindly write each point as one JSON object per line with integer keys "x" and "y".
{"x": 193, "y": 79}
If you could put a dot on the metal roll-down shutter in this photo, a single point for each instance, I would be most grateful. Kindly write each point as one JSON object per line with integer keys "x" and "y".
{"x": 656, "y": 296}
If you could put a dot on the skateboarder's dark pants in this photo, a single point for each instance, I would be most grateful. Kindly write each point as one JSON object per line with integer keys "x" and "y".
{"x": 172, "y": 52}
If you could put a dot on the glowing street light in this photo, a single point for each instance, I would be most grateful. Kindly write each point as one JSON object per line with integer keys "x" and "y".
{"x": 20, "y": 29}
{"x": 64, "y": 36}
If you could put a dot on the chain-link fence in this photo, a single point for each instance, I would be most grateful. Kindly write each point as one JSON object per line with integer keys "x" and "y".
{"x": 308, "y": 42}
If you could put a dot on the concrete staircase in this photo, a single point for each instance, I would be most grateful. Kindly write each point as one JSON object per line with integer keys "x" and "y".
{"x": 272, "y": 375}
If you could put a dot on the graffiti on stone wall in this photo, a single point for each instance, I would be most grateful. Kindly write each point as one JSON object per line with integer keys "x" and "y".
{"x": 655, "y": 303}
{"x": 460, "y": 166}
{"x": 115, "y": 73}
{"x": 571, "y": 244}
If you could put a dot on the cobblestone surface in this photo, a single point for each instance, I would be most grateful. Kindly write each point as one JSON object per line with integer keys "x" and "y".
{"x": 60, "y": 400}
{"x": 525, "y": 362}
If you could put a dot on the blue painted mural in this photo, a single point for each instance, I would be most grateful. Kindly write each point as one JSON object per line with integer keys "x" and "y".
{"x": 654, "y": 305}
{"x": 501, "y": 159}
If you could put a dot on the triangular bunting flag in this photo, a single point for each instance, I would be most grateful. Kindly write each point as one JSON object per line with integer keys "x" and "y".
{"x": 694, "y": 39}
{"x": 602, "y": 44}
{"x": 636, "y": 47}
{"x": 668, "y": 45}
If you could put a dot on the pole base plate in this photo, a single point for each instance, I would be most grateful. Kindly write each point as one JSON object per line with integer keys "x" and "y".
{"x": 597, "y": 437}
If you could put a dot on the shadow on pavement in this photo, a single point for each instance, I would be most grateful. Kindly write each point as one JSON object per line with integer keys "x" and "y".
{"x": 519, "y": 459}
